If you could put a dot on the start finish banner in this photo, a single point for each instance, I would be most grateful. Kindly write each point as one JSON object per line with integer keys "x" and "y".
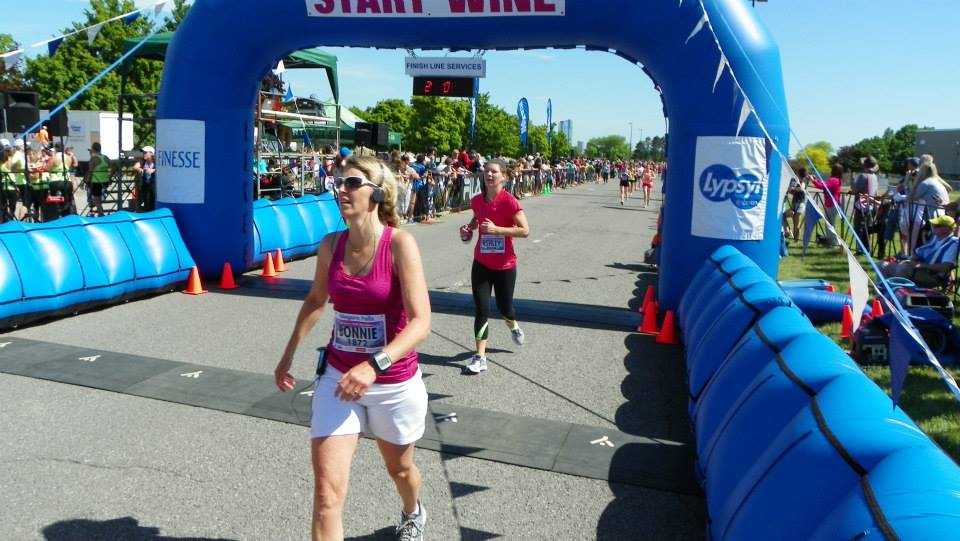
{"x": 730, "y": 188}
{"x": 433, "y": 8}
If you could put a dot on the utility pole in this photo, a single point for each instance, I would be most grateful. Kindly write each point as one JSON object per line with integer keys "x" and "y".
{"x": 631, "y": 138}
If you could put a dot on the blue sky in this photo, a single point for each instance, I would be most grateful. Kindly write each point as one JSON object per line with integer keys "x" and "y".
{"x": 852, "y": 68}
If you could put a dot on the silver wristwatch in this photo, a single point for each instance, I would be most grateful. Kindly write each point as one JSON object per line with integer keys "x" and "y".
{"x": 381, "y": 361}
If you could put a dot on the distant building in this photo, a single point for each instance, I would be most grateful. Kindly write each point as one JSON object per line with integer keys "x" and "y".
{"x": 566, "y": 128}
{"x": 581, "y": 147}
{"x": 944, "y": 145}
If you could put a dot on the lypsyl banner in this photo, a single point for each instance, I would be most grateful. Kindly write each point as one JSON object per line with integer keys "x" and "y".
{"x": 523, "y": 114}
{"x": 730, "y": 188}
{"x": 549, "y": 119}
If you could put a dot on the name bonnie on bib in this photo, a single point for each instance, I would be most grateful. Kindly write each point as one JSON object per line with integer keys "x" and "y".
{"x": 359, "y": 333}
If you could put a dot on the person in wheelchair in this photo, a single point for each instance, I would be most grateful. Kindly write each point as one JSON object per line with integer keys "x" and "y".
{"x": 932, "y": 263}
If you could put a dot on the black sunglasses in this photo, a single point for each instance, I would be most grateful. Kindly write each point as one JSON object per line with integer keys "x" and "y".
{"x": 352, "y": 183}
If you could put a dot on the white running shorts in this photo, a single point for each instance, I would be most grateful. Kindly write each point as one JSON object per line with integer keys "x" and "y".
{"x": 393, "y": 412}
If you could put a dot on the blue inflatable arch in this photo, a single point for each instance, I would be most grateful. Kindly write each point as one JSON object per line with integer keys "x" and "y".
{"x": 721, "y": 189}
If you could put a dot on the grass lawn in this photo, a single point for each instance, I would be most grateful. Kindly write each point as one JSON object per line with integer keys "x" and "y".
{"x": 925, "y": 396}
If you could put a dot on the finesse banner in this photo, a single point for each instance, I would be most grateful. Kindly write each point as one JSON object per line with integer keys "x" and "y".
{"x": 181, "y": 167}
{"x": 730, "y": 188}
{"x": 434, "y": 8}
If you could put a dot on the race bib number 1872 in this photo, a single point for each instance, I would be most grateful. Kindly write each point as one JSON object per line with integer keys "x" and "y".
{"x": 359, "y": 333}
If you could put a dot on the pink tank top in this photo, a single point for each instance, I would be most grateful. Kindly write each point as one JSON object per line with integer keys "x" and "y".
{"x": 367, "y": 313}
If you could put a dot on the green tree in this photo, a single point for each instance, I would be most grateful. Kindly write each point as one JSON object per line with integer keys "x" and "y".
{"x": 76, "y": 63}
{"x": 818, "y": 153}
{"x": 497, "y": 133}
{"x": 613, "y": 147}
{"x": 436, "y": 122}
{"x": 559, "y": 146}
{"x": 177, "y": 15}
{"x": 537, "y": 140}
{"x": 10, "y": 79}
{"x": 395, "y": 113}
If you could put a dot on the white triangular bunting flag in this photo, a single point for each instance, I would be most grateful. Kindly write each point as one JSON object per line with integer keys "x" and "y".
{"x": 158, "y": 9}
{"x": 697, "y": 29}
{"x": 279, "y": 69}
{"x": 859, "y": 288}
{"x": 92, "y": 32}
{"x": 720, "y": 68}
{"x": 744, "y": 114}
{"x": 786, "y": 174}
{"x": 10, "y": 60}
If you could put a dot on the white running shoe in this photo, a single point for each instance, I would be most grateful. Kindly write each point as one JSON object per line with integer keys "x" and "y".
{"x": 411, "y": 526}
{"x": 517, "y": 336}
{"x": 477, "y": 364}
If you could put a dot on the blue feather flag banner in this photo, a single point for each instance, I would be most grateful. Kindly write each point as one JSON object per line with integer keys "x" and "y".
{"x": 549, "y": 119}
{"x": 523, "y": 114}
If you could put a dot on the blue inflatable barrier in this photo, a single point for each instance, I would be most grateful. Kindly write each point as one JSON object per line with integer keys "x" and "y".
{"x": 706, "y": 272}
{"x": 793, "y": 441}
{"x": 822, "y": 306}
{"x": 918, "y": 491}
{"x": 825, "y": 451}
{"x": 295, "y": 225}
{"x": 73, "y": 263}
{"x": 706, "y": 352}
{"x": 766, "y": 338}
{"x": 713, "y": 303}
{"x": 768, "y": 402}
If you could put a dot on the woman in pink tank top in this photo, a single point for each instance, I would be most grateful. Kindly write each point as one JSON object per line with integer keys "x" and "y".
{"x": 368, "y": 380}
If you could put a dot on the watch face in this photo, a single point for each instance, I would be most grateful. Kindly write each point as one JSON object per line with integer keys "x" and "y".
{"x": 381, "y": 360}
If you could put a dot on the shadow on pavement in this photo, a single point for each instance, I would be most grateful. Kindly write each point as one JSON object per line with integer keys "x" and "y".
{"x": 655, "y": 407}
{"x": 118, "y": 529}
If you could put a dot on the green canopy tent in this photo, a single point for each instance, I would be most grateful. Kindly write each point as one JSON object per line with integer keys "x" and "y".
{"x": 155, "y": 48}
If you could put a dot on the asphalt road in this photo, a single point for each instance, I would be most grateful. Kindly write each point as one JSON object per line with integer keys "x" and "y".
{"x": 81, "y": 463}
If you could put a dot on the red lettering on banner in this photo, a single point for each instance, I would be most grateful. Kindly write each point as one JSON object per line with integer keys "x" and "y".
{"x": 345, "y": 5}
{"x": 495, "y": 5}
{"x": 364, "y": 6}
{"x": 388, "y": 6}
{"x": 522, "y": 5}
{"x": 459, "y": 6}
{"x": 324, "y": 6}
{"x": 542, "y": 6}
{"x": 418, "y": 6}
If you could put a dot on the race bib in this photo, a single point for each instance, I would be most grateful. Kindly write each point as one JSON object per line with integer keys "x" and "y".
{"x": 359, "y": 333}
{"x": 492, "y": 244}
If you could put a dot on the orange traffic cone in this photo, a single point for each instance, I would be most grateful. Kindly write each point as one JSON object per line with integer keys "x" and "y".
{"x": 278, "y": 261}
{"x": 668, "y": 331}
{"x": 226, "y": 279}
{"x": 194, "y": 287}
{"x": 647, "y": 297}
{"x": 877, "y": 308}
{"x": 846, "y": 324}
{"x": 649, "y": 324}
{"x": 268, "y": 270}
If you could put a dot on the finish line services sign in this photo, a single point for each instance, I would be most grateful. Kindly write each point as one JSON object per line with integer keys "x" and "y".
{"x": 416, "y": 66}
{"x": 434, "y": 8}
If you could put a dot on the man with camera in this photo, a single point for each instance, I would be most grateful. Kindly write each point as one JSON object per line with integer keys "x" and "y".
{"x": 931, "y": 263}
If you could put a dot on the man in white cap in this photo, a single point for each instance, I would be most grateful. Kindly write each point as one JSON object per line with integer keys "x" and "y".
{"x": 931, "y": 263}
{"x": 145, "y": 171}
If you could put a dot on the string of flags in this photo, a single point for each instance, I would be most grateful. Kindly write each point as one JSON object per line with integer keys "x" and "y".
{"x": 905, "y": 340}
{"x": 12, "y": 58}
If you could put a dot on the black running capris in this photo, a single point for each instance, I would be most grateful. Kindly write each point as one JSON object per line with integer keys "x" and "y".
{"x": 502, "y": 282}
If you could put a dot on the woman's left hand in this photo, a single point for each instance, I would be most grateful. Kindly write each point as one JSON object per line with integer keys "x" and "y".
{"x": 488, "y": 227}
{"x": 354, "y": 384}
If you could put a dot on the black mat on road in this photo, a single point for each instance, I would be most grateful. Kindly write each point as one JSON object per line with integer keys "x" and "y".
{"x": 447, "y": 302}
{"x": 581, "y": 450}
